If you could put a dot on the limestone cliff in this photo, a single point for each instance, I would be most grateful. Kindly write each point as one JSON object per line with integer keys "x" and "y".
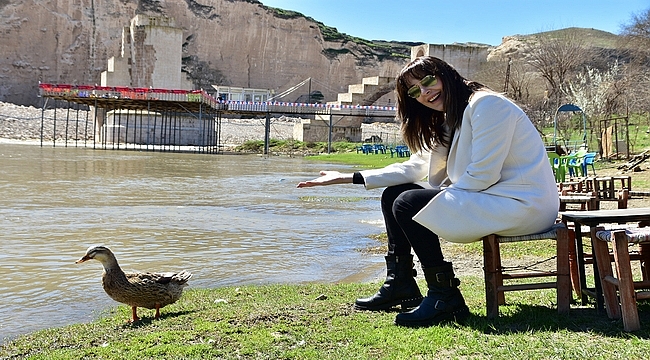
{"x": 229, "y": 42}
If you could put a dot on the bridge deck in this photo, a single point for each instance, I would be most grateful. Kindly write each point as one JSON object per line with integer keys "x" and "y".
{"x": 194, "y": 101}
{"x": 161, "y": 119}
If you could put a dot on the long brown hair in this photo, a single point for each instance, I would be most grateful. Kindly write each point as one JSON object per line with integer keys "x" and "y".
{"x": 422, "y": 127}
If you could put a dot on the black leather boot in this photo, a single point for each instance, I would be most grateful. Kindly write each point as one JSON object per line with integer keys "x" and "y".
{"x": 399, "y": 288}
{"x": 443, "y": 302}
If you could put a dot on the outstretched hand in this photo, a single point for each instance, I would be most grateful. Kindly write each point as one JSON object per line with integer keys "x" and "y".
{"x": 327, "y": 178}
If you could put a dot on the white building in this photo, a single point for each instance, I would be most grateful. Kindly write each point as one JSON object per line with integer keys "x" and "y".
{"x": 230, "y": 93}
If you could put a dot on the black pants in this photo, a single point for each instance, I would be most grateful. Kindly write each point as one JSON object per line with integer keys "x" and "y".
{"x": 399, "y": 204}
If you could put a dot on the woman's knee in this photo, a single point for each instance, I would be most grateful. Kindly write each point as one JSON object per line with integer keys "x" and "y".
{"x": 390, "y": 194}
{"x": 410, "y": 202}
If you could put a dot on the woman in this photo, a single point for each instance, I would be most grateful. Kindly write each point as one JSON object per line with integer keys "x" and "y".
{"x": 487, "y": 172}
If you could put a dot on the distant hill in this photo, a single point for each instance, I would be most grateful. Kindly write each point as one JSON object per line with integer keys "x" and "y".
{"x": 592, "y": 37}
{"x": 517, "y": 46}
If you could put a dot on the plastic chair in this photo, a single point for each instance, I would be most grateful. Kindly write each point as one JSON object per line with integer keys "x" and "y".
{"x": 574, "y": 164}
{"x": 379, "y": 148}
{"x": 559, "y": 171}
{"x": 365, "y": 148}
{"x": 402, "y": 151}
{"x": 587, "y": 160}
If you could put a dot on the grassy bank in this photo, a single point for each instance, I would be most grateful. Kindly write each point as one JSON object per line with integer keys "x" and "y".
{"x": 341, "y": 152}
{"x": 370, "y": 161}
{"x": 317, "y": 321}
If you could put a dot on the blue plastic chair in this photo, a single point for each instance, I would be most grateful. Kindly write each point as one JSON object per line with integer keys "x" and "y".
{"x": 402, "y": 151}
{"x": 366, "y": 149}
{"x": 575, "y": 163}
{"x": 587, "y": 160}
{"x": 379, "y": 148}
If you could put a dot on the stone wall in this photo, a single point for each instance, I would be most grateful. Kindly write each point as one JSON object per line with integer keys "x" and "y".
{"x": 155, "y": 52}
{"x": 466, "y": 59}
{"x": 150, "y": 56}
{"x": 344, "y": 128}
{"x": 117, "y": 72}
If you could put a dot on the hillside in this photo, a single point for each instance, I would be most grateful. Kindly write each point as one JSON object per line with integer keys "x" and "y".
{"x": 517, "y": 46}
{"x": 227, "y": 42}
{"x": 591, "y": 37}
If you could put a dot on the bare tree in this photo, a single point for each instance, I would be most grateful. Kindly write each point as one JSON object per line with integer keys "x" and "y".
{"x": 509, "y": 73}
{"x": 513, "y": 77}
{"x": 556, "y": 57}
{"x": 492, "y": 74}
{"x": 635, "y": 41}
{"x": 637, "y": 34}
{"x": 521, "y": 81}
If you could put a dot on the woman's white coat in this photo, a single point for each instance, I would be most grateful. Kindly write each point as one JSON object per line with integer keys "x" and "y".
{"x": 496, "y": 177}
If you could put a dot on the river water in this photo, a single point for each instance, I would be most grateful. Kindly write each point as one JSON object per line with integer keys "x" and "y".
{"x": 229, "y": 219}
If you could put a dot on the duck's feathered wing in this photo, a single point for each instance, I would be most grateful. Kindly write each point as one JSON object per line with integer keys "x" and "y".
{"x": 145, "y": 289}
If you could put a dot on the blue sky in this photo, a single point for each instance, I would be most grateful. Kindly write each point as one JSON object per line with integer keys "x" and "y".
{"x": 446, "y": 22}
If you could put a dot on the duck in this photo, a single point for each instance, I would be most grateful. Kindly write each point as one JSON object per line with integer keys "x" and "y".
{"x": 137, "y": 289}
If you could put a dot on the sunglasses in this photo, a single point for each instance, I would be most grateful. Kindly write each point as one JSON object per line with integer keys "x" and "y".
{"x": 429, "y": 80}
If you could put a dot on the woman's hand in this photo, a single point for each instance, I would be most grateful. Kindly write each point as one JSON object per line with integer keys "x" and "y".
{"x": 328, "y": 178}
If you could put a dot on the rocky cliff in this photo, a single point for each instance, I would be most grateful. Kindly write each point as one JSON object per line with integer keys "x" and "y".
{"x": 229, "y": 42}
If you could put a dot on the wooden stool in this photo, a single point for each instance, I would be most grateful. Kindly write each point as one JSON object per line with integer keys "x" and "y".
{"x": 604, "y": 187}
{"x": 571, "y": 186}
{"x": 495, "y": 274}
{"x": 606, "y": 190}
{"x": 624, "y": 282}
{"x": 586, "y": 201}
{"x": 626, "y": 181}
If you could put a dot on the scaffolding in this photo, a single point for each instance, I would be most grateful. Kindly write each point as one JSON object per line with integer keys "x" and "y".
{"x": 133, "y": 118}
{"x": 167, "y": 120}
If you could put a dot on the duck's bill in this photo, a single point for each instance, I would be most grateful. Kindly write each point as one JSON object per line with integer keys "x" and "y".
{"x": 85, "y": 258}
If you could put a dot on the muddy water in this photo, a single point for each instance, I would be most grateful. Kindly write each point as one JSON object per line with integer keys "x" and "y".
{"x": 229, "y": 219}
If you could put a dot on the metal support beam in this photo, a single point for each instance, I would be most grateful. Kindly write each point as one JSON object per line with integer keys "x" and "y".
{"x": 267, "y": 133}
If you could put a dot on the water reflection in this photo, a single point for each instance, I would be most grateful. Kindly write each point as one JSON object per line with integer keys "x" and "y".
{"x": 228, "y": 219}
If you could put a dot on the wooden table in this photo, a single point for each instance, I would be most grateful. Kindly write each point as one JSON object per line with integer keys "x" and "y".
{"x": 593, "y": 219}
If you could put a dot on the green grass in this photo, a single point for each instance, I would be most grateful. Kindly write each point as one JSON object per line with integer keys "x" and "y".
{"x": 343, "y": 152}
{"x": 362, "y": 160}
{"x": 317, "y": 321}
{"x": 638, "y": 132}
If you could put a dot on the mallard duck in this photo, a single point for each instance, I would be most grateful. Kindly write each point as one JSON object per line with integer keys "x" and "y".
{"x": 138, "y": 289}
